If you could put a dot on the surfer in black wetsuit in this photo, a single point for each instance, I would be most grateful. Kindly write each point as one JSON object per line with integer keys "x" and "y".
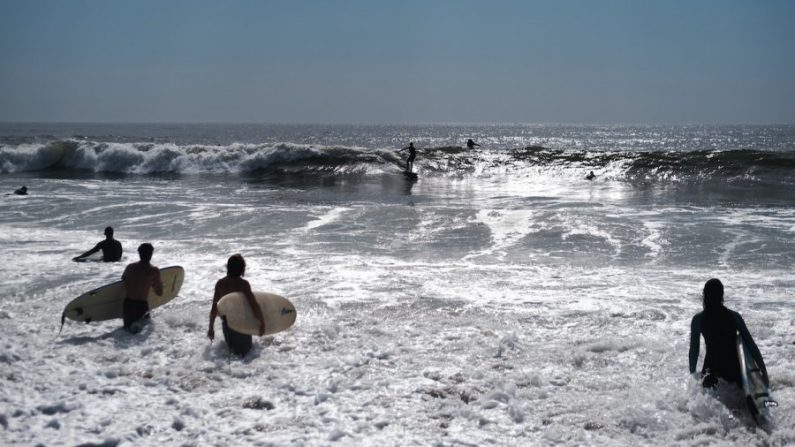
{"x": 238, "y": 343}
{"x": 23, "y": 191}
{"x": 590, "y": 176}
{"x": 111, "y": 248}
{"x": 412, "y": 156}
{"x": 719, "y": 326}
{"x": 471, "y": 144}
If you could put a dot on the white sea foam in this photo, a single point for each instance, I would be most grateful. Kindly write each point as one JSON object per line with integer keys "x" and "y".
{"x": 455, "y": 311}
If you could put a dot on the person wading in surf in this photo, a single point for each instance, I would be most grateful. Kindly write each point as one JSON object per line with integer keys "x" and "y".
{"x": 719, "y": 326}
{"x": 139, "y": 277}
{"x": 238, "y": 343}
{"x": 471, "y": 144}
{"x": 111, "y": 248}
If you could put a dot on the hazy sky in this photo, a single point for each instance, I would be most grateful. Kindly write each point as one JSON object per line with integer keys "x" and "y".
{"x": 342, "y": 61}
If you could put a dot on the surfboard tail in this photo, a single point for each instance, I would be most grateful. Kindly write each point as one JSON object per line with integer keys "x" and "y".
{"x": 63, "y": 319}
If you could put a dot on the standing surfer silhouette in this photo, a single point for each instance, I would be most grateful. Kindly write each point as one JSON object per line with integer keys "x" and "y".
{"x": 412, "y": 156}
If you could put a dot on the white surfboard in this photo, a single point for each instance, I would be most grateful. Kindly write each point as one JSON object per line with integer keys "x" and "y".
{"x": 756, "y": 392}
{"x": 105, "y": 303}
{"x": 278, "y": 312}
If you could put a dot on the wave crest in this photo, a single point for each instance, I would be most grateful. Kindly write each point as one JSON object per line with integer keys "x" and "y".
{"x": 774, "y": 167}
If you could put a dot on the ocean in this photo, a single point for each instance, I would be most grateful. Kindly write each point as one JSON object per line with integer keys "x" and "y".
{"x": 499, "y": 299}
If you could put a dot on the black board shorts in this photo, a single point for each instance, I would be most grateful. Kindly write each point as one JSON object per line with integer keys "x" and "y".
{"x": 238, "y": 343}
{"x": 133, "y": 311}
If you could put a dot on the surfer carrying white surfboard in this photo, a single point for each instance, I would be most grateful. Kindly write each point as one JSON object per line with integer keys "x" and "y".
{"x": 139, "y": 277}
{"x": 238, "y": 343}
{"x": 719, "y": 326}
{"x": 111, "y": 248}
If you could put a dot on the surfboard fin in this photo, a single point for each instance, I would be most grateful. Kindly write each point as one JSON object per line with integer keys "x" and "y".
{"x": 63, "y": 319}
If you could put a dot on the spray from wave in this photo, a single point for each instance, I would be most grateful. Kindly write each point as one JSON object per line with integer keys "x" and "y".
{"x": 769, "y": 167}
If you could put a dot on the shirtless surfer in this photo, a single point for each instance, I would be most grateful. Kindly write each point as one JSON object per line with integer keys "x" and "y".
{"x": 238, "y": 343}
{"x": 111, "y": 248}
{"x": 138, "y": 278}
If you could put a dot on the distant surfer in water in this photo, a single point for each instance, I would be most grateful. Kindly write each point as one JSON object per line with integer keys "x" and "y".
{"x": 471, "y": 144}
{"x": 138, "y": 278}
{"x": 590, "y": 176}
{"x": 238, "y": 343}
{"x": 412, "y": 156}
{"x": 719, "y": 326}
{"x": 111, "y": 248}
{"x": 23, "y": 191}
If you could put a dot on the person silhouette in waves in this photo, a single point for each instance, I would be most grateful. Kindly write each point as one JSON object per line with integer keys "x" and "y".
{"x": 111, "y": 248}
{"x": 719, "y": 327}
{"x": 412, "y": 155}
{"x": 471, "y": 144}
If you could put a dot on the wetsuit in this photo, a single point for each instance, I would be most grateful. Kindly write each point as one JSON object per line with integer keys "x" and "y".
{"x": 111, "y": 250}
{"x": 719, "y": 328}
{"x": 410, "y": 160}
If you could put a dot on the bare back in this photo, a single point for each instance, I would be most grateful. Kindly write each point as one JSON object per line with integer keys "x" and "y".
{"x": 138, "y": 278}
{"x": 230, "y": 284}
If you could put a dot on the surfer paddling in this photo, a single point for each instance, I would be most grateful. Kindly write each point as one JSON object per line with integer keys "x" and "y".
{"x": 238, "y": 343}
{"x": 139, "y": 277}
{"x": 719, "y": 326}
{"x": 111, "y": 248}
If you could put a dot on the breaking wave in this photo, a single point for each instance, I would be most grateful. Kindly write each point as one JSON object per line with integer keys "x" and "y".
{"x": 769, "y": 167}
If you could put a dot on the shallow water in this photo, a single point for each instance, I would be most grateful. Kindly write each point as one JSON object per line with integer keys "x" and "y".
{"x": 507, "y": 303}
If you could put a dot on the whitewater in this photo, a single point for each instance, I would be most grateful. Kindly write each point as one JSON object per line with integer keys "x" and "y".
{"x": 500, "y": 299}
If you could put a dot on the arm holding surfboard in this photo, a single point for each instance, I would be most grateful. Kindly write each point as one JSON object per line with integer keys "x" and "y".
{"x": 748, "y": 340}
{"x": 254, "y": 307}
{"x": 223, "y": 288}
{"x": 234, "y": 282}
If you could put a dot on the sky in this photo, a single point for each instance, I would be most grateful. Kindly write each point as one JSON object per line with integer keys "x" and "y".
{"x": 406, "y": 61}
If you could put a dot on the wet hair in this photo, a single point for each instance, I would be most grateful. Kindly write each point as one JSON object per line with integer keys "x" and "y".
{"x": 713, "y": 295}
{"x": 236, "y": 265}
{"x": 145, "y": 251}
{"x": 109, "y": 231}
